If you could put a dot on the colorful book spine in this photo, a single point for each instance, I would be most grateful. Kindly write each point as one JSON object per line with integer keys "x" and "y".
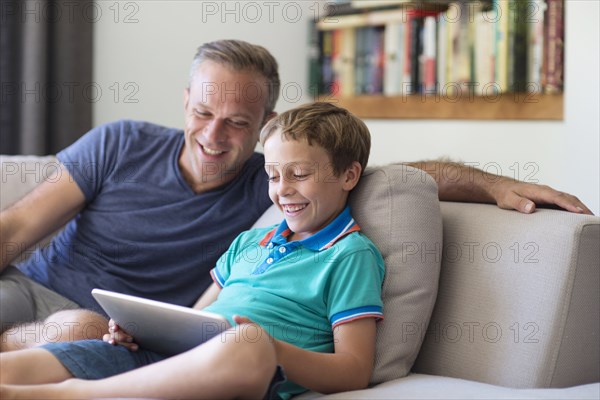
{"x": 520, "y": 46}
{"x": 394, "y": 57}
{"x": 536, "y": 46}
{"x": 348, "y": 54}
{"x": 501, "y": 71}
{"x": 441, "y": 52}
{"x": 327, "y": 77}
{"x": 429, "y": 55}
{"x": 553, "y": 56}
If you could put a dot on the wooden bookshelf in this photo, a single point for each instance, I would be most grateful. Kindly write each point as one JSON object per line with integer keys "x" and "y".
{"x": 508, "y": 106}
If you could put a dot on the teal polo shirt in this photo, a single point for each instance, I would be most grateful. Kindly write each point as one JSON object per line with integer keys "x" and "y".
{"x": 300, "y": 291}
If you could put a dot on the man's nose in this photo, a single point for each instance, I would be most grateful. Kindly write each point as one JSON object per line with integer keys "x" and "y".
{"x": 214, "y": 131}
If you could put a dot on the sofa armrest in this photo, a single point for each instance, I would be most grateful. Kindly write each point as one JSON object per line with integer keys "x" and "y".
{"x": 518, "y": 300}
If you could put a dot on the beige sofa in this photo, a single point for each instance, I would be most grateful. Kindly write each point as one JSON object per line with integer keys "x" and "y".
{"x": 514, "y": 314}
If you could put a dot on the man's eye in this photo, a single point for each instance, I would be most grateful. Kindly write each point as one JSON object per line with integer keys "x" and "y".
{"x": 300, "y": 177}
{"x": 202, "y": 113}
{"x": 273, "y": 179}
{"x": 238, "y": 124}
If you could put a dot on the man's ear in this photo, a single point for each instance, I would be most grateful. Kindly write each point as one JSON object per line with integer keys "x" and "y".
{"x": 186, "y": 98}
{"x": 351, "y": 176}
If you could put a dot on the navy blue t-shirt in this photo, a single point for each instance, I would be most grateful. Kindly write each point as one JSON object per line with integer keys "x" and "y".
{"x": 143, "y": 230}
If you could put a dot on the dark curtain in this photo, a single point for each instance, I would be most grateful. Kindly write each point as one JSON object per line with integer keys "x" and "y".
{"x": 47, "y": 91}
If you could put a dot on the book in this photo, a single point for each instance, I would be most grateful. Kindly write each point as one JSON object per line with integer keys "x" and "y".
{"x": 441, "y": 53}
{"x": 327, "y": 77}
{"x": 429, "y": 54}
{"x": 553, "y": 54}
{"x": 484, "y": 55}
{"x": 348, "y": 54}
{"x": 520, "y": 45}
{"x": 536, "y": 46}
{"x": 314, "y": 69}
{"x": 501, "y": 61}
{"x": 394, "y": 58}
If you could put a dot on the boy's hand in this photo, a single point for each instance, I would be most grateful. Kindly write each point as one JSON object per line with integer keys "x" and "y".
{"x": 117, "y": 336}
{"x": 242, "y": 320}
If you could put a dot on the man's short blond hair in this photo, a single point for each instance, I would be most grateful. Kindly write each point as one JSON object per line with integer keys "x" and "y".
{"x": 343, "y": 136}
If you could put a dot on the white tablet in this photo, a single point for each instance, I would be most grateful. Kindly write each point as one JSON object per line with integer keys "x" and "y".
{"x": 161, "y": 327}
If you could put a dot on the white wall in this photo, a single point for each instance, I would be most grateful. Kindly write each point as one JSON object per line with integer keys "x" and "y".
{"x": 149, "y": 45}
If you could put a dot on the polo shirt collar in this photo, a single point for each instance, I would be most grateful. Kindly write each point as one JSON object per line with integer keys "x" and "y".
{"x": 342, "y": 225}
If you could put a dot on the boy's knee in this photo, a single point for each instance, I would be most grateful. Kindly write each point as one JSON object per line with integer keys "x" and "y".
{"x": 256, "y": 351}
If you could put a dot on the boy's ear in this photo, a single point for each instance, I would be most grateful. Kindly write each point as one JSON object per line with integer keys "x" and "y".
{"x": 352, "y": 175}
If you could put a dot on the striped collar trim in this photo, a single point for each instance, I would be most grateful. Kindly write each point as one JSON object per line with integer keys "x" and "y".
{"x": 341, "y": 226}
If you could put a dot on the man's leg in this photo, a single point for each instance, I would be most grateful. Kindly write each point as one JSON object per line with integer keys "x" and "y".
{"x": 63, "y": 326}
{"x": 32, "y": 315}
{"x": 240, "y": 363}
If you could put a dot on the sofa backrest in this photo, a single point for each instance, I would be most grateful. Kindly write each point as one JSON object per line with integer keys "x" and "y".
{"x": 518, "y": 302}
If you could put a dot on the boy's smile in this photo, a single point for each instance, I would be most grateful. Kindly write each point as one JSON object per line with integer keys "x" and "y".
{"x": 303, "y": 186}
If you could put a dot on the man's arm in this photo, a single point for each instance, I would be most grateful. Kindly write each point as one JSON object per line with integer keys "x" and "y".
{"x": 41, "y": 212}
{"x": 459, "y": 182}
{"x": 348, "y": 368}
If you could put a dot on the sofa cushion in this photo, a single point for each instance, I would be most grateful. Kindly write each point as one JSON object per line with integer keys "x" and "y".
{"x": 397, "y": 207}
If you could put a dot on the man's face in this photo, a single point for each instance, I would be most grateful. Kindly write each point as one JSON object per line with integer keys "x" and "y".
{"x": 224, "y": 111}
{"x": 303, "y": 186}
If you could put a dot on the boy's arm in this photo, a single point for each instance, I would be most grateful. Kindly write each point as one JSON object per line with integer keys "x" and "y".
{"x": 208, "y": 297}
{"x": 348, "y": 368}
{"x": 460, "y": 182}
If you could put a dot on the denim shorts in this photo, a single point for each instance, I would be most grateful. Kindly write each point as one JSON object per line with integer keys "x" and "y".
{"x": 95, "y": 359}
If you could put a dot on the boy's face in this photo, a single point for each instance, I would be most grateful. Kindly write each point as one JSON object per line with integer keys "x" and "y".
{"x": 303, "y": 186}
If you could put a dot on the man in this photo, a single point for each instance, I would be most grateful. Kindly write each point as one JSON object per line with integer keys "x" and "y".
{"x": 150, "y": 209}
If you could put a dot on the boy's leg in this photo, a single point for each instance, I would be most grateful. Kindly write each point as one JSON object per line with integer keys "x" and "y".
{"x": 31, "y": 366}
{"x": 240, "y": 363}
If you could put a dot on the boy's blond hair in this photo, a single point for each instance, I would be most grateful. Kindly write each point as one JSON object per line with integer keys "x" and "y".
{"x": 343, "y": 136}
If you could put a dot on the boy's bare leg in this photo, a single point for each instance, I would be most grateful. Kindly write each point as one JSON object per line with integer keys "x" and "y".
{"x": 31, "y": 366}
{"x": 237, "y": 364}
{"x": 63, "y": 326}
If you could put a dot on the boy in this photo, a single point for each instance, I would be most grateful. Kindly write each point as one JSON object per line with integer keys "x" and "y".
{"x": 309, "y": 291}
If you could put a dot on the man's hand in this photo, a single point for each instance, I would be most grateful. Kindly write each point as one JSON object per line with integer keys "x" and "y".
{"x": 459, "y": 182}
{"x": 510, "y": 194}
{"x": 118, "y": 336}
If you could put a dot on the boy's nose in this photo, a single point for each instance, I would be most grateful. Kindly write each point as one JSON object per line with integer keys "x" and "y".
{"x": 285, "y": 187}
